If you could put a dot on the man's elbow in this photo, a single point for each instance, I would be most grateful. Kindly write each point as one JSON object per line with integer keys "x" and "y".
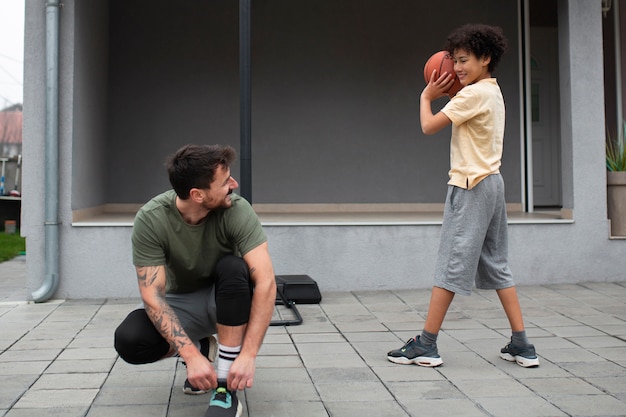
{"x": 266, "y": 288}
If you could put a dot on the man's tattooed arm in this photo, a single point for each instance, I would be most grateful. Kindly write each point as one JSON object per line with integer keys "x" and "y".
{"x": 152, "y": 281}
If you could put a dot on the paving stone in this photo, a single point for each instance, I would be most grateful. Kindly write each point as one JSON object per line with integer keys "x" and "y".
{"x": 49, "y": 412}
{"x": 286, "y": 408}
{"x": 70, "y": 381}
{"x": 57, "y": 398}
{"x": 156, "y": 410}
{"x": 590, "y": 405}
{"x": 519, "y": 407}
{"x": 445, "y": 408}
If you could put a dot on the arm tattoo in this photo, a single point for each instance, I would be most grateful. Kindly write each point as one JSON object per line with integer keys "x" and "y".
{"x": 167, "y": 323}
{"x": 163, "y": 317}
{"x": 147, "y": 276}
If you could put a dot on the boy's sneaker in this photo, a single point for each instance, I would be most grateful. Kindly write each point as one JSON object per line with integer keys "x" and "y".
{"x": 524, "y": 356}
{"x": 208, "y": 347}
{"x": 414, "y": 352}
{"x": 224, "y": 403}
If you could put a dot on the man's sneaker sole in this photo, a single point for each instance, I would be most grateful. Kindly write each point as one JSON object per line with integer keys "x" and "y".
{"x": 420, "y": 360}
{"x": 239, "y": 409}
{"x": 520, "y": 360}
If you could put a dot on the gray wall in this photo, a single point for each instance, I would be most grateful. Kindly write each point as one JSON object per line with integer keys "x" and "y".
{"x": 335, "y": 91}
{"x": 174, "y": 79}
{"x": 90, "y": 147}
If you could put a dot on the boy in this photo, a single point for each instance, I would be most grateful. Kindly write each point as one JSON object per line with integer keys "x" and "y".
{"x": 474, "y": 243}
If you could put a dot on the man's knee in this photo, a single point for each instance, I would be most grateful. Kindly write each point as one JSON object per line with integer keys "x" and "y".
{"x": 137, "y": 341}
{"x": 233, "y": 291}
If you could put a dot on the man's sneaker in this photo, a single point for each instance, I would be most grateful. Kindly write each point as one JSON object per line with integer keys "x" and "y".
{"x": 191, "y": 390}
{"x": 414, "y": 352}
{"x": 208, "y": 347}
{"x": 224, "y": 403}
{"x": 524, "y": 356}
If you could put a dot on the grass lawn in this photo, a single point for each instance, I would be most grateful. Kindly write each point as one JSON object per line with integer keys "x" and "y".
{"x": 11, "y": 245}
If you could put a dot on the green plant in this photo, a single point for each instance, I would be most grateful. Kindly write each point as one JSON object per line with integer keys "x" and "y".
{"x": 616, "y": 151}
{"x": 11, "y": 245}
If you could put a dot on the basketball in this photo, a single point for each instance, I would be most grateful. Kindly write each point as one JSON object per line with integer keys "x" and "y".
{"x": 442, "y": 62}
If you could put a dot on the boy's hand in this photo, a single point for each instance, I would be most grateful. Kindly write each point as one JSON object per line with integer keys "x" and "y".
{"x": 438, "y": 86}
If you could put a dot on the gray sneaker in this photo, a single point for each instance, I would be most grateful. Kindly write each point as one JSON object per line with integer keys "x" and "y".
{"x": 414, "y": 352}
{"x": 524, "y": 356}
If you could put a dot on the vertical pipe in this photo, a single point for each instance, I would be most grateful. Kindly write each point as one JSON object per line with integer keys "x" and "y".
{"x": 51, "y": 224}
{"x": 530, "y": 200}
{"x": 618, "y": 70}
{"x": 245, "y": 105}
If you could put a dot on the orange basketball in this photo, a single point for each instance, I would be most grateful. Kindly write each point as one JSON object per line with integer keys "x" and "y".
{"x": 442, "y": 62}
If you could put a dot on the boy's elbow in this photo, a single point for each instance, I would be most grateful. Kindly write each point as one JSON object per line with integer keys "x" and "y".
{"x": 428, "y": 130}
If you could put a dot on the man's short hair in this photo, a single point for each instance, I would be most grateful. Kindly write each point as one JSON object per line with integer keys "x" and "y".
{"x": 193, "y": 166}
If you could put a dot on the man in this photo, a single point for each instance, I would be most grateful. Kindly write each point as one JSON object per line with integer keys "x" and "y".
{"x": 203, "y": 267}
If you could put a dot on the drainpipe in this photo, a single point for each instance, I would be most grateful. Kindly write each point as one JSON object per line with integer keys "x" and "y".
{"x": 51, "y": 223}
{"x": 245, "y": 105}
{"x": 618, "y": 70}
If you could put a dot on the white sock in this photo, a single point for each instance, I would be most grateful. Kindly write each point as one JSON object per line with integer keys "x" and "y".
{"x": 226, "y": 356}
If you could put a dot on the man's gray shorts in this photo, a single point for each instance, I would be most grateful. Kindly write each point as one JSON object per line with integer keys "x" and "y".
{"x": 196, "y": 312}
{"x": 474, "y": 239}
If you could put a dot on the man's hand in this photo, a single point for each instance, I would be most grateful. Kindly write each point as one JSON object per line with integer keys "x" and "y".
{"x": 241, "y": 374}
{"x": 200, "y": 372}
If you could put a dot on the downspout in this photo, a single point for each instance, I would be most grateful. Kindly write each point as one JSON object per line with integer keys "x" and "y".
{"x": 245, "y": 98}
{"x": 51, "y": 223}
{"x": 618, "y": 69}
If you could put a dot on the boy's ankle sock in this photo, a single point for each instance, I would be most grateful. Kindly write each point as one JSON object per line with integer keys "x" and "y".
{"x": 428, "y": 339}
{"x": 520, "y": 338}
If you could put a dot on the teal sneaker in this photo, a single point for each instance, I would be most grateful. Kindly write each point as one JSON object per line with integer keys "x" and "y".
{"x": 224, "y": 403}
{"x": 524, "y": 356}
{"x": 413, "y": 352}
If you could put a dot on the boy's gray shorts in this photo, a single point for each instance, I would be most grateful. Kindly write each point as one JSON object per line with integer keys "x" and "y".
{"x": 474, "y": 239}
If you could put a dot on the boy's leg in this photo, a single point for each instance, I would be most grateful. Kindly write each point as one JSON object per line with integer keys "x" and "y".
{"x": 519, "y": 350}
{"x": 440, "y": 300}
{"x": 510, "y": 303}
{"x": 422, "y": 350}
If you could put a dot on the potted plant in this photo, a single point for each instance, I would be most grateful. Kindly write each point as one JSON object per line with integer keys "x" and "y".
{"x": 616, "y": 182}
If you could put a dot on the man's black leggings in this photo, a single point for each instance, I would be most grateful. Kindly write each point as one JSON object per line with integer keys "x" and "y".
{"x": 137, "y": 340}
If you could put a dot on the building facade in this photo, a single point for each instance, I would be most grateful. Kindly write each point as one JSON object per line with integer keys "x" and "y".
{"x": 349, "y": 190}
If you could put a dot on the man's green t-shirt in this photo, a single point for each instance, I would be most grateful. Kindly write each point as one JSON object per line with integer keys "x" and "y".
{"x": 190, "y": 252}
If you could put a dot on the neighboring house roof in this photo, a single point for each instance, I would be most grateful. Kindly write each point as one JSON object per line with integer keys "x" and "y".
{"x": 11, "y": 125}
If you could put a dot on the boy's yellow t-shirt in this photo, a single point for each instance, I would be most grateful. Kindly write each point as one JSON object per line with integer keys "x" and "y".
{"x": 477, "y": 113}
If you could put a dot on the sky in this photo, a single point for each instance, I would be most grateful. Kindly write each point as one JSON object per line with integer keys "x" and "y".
{"x": 11, "y": 52}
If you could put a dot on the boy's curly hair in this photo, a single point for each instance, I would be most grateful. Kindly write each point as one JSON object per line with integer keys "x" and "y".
{"x": 481, "y": 40}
